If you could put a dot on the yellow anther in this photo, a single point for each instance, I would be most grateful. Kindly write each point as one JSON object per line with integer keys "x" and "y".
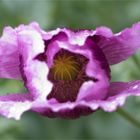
{"x": 65, "y": 67}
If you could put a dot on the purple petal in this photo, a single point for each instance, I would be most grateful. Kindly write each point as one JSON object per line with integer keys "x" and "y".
{"x": 9, "y": 58}
{"x": 63, "y": 110}
{"x": 100, "y": 69}
{"x": 8, "y": 41}
{"x": 34, "y": 71}
{"x": 12, "y": 106}
{"x": 132, "y": 88}
{"x": 9, "y": 66}
{"x": 122, "y": 45}
{"x": 118, "y": 93}
{"x": 104, "y": 31}
{"x": 74, "y": 38}
{"x": 32, "y": 26}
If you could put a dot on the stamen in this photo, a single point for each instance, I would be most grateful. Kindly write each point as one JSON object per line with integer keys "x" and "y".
{"x": 68, "y": 73}
{"x": 65, "y": 67}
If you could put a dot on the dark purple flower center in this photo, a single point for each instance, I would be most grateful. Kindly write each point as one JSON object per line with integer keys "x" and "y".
{"x": 67, "y": 75}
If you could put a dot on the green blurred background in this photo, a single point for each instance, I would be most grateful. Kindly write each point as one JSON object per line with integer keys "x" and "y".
{"x": 77, "y": 14}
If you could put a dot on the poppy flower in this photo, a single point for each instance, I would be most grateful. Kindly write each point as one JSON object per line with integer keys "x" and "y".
{"x": 66, "y": 73}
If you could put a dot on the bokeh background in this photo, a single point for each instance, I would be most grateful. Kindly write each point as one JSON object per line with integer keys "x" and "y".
{"x": 75, "y": 14}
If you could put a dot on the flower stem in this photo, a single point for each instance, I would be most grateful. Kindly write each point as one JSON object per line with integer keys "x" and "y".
{"x": 128, "y": 117}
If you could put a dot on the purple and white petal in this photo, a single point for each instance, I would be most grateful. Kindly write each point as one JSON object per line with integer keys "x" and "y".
{"x": 118, "y": 93}
{"x": 34, "y": 71}
{"x": 9, "y": 55}
{"x": 14, "y": 105}
{"x": 122, "y": 45}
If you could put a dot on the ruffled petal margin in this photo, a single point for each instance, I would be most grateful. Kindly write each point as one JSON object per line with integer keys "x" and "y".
{"x": 116, "y": 47}
{"x": 13, "y": 105}
{"x": 118, "y": 93}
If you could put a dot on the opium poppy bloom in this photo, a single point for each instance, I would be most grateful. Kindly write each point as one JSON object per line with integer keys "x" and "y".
{"x": 66, "y": 72}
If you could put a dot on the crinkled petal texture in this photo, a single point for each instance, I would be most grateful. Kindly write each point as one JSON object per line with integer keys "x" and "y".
{"x": 37, "y": 59}
{"x": 28, "y": 53}
{"x": 9, "y": 56}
